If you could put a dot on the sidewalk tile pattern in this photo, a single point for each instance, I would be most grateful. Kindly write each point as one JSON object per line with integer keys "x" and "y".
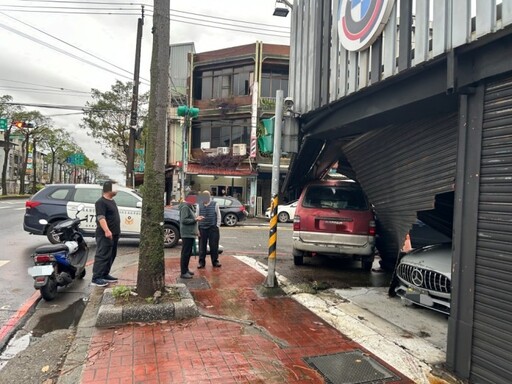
{"x": 241, "y": 337}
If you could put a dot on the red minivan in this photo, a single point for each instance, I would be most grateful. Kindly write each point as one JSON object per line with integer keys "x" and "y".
{"x": 334, "y": 217}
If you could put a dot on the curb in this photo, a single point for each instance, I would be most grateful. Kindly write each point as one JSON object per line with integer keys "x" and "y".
{"x": 111, "y": 314}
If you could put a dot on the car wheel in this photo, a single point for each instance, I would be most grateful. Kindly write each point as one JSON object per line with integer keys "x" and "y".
{"x": 367, "y": 264}
{"x": 298, "y": 257}
{"x": 52, "y": 236}
{"x": 283, "y": 217}
{"x": 230, "y": 220}
{"x": 49, "y": 290}
{"x": 171, "y": 236}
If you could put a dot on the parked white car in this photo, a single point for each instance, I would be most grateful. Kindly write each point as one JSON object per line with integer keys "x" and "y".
{"x": 285, "y": 212}
{"x": 425, "y": 277}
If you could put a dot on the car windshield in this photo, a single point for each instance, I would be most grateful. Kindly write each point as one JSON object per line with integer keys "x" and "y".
{"x": 322, "y": 196}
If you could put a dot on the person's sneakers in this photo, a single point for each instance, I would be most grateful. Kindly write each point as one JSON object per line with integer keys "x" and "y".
{"x": 186, "y": 276}
{"x": 110, "y": 279}
{"x": 200, "y": 266}
{"x": 217, "y": 265}
{"x": 190, "y": 272}
{"x": 99, "y": 282}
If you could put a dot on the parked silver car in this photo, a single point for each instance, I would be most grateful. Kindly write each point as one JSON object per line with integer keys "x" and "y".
{"x": 425, "y": 277}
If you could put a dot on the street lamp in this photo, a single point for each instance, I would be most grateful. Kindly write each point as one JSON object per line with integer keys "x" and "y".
{"x": 282, "y": 11}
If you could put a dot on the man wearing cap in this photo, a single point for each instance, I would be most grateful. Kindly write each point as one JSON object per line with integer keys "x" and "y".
{"x": 107, "y": 235}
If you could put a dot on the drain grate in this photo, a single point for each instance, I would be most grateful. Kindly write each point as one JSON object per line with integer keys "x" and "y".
{"x": 352, "y": 367}
{"x": 195, "y": 283}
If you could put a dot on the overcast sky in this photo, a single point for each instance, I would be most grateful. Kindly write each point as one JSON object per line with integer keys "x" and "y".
{"x": 53, "y": 52}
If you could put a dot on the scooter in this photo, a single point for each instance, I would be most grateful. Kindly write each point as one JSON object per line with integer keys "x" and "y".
{"x": 58, "y": 265}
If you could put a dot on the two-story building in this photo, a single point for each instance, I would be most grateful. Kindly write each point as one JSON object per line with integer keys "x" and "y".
{"x": 234, "y": 89}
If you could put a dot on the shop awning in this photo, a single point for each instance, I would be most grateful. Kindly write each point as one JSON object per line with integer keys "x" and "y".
{"x": 240, "y": 170}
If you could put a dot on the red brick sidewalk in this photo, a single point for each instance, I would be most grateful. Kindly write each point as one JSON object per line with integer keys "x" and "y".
{"x": 247, "y": 339}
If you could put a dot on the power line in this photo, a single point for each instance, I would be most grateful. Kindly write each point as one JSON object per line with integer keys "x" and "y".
{"x": 48, "y": 45}
{"x": 71, "y": 45}
{"x": 45, "y": 86}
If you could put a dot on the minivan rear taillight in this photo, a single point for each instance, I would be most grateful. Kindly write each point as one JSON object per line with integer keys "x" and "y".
{"x": 296, "y": 223}
{"x": 371, "y": 228}
{"x": 32, "y": 204}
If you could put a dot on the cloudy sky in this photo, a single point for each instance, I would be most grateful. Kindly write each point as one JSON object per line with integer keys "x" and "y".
{"x": 53, "y": 52}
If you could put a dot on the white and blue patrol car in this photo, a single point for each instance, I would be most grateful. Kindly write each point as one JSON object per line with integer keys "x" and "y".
{"x": 57, "y": 202}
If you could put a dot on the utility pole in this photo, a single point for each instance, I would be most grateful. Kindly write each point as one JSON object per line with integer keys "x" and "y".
{"x": 271, "y": 280}
{"x": 135, "y": 104}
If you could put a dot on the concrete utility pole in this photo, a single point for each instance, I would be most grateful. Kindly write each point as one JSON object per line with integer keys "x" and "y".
{"x": 135, "y": 104}
{"x": 271, "y": 280}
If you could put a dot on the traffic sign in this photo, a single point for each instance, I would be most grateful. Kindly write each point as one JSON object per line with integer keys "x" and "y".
{"x": 3, "y": 124}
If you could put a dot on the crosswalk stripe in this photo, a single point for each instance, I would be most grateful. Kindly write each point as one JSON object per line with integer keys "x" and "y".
{"x": 3, "y": 262}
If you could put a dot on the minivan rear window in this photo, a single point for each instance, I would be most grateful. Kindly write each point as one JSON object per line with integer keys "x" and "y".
{"x": 335, "y": 197}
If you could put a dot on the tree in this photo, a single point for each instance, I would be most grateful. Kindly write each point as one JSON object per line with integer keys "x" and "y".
{"x": 151, "y": 272}
{"x": 38, "y": 128}
{"x": 108, "y": 119}
{"x": 7, "y": 111}
{"x": 54, "y": 140}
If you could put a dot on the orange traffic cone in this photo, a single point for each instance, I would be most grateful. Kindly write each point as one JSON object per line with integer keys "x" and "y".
{"x": 407, "y": 247}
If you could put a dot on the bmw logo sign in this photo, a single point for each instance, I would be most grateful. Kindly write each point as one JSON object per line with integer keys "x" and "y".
{"x": 360, "y": 22}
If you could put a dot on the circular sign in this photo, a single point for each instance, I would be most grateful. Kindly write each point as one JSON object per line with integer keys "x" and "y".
{"x": 360, "y": 22}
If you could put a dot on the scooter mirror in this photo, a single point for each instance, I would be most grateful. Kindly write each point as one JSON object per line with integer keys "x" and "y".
{"x": 43, "y": 222}
{"x": 80, "y": 208}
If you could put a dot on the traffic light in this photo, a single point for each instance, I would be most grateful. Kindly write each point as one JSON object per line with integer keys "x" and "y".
{"x": 184, "y": 110}
{"x": 19, "y": 124}
{"x": 266, "y": 142}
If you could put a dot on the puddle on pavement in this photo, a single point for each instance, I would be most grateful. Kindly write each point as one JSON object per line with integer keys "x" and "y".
{"x": 70, "y": 316}
{"x": 64, "y": 319}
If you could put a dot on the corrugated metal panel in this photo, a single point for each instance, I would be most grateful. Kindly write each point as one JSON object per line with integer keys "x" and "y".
{"x": 492, "y": 328}
{"x": 402, "y": 168}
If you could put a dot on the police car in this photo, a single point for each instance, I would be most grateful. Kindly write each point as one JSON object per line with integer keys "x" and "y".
{"x": 57, "y": 202}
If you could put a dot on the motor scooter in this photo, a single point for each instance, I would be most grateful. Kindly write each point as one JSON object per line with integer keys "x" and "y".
{"x": 58, "y": 265}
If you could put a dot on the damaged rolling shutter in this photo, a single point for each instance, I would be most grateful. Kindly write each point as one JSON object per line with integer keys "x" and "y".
{"x": 492, "y": 329}
{"x": 402, "y": 168}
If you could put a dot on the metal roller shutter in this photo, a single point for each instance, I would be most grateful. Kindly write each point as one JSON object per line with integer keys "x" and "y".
{"x": 492, "y": 328}
{"x": 402, "y": 168}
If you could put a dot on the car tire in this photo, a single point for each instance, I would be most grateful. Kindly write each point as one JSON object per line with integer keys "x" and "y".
{"x": 283, "y": 217}
{"x": 50, "y": 233}
{"x": 230, "y": 220}
{"x": 49, "y": 290}
{"x": 171, "y": 235}
{"x": 298, "y": 257}
{"x": 367, "y": 264}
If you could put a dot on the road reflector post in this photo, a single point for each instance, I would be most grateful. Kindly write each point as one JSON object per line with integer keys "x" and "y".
{"x": 271, "y": 280}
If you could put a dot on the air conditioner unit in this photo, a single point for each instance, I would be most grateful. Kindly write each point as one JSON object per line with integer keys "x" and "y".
{"x": 239, "y": 149}
{"x": 205, "y": 145}
{"x": 223, "y": 151}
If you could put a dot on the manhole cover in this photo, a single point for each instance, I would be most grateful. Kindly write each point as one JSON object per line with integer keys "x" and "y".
{"x": 352, "y": 367}
{"x": 195, "y": 283}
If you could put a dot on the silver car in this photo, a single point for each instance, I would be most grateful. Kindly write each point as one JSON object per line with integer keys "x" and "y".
{"x": 425, "y": 277}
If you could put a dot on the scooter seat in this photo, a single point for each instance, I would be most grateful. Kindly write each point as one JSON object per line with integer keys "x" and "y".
{"x": 51, "y": 248}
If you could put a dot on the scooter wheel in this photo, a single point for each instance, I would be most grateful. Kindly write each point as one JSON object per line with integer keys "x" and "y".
{"x": 82, "y": 275}
{"x": 49, "y": 290}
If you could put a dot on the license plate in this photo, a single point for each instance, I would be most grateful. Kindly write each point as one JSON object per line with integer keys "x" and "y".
{"x": 40, "y": 270}
{"x": 419, "y": 297}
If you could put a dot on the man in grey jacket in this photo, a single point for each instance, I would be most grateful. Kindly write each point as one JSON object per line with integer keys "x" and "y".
{"x": 189, "y": 232}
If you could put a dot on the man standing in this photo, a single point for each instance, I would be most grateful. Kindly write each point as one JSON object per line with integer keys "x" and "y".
{"x": 107, "y": 235}
{"x": 209, "y": 233}
{"x": 188, "y": 232}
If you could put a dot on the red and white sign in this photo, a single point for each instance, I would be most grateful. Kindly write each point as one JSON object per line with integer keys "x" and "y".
{"x": 360, "y": 22}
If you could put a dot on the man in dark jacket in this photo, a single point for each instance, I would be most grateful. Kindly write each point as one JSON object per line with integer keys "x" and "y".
{"x": 209, "y": 230}
{"x": 188, "y": 232}
{"x": 107, "y": 235}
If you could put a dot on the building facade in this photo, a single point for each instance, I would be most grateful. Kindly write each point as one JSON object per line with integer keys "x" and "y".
{"x": 413, "y": 99}
{"x": 234, "y": 89}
